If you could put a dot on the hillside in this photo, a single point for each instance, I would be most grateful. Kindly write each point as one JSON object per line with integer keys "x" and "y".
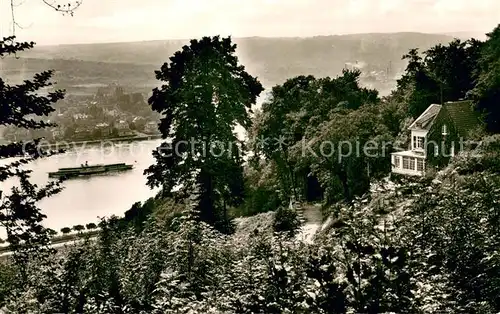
{"x": 273, "y": 60}
{"x": 467, "y": 35}
{"x": 79, "y": 76}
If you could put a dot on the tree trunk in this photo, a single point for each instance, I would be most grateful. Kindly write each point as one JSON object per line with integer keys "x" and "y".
{"x": 345, "y": 184}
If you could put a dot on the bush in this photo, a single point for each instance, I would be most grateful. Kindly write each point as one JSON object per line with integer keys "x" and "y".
{"x": 286, "y": 220}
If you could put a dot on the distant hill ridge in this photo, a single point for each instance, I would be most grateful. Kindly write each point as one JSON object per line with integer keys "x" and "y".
{"x": 273, "y": 60}
{"x": 156, "y": 51}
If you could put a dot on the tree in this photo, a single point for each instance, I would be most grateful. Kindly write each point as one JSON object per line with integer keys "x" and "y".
{"x": 296, "y": 111}
{"x": 78, "y": 228}
{"x": 91, "y": 226}
{"x": 454, "y": 67}
{"x": 487, "y": 89}
{"x": 348, "y": 149}
{"x": 205, "y": 94}
{"x": 52, "y": 232}
{"x": 23, "y": 107}
{"x": 19, "y": 214}
{"x": 68, "y": 8}
{"x": 442, "y": 73}
{"x": 274, "y": 132}
{"x": 65, "y": 230}
{"x": 96, "y": 112}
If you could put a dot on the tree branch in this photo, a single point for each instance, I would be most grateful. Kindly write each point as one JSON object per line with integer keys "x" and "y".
{"x": 65, "y": 8}
{"x": 68, "y": 8}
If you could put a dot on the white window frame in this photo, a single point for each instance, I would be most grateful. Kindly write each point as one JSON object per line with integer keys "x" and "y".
{"x": 397, "y": 162}
{"x": 410, "y": 163}
{"x": 420, "y": 161}
{"x": 420, "y": 143}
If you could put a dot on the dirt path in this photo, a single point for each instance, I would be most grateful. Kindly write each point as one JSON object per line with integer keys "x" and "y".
{"x": 313, "y": 220}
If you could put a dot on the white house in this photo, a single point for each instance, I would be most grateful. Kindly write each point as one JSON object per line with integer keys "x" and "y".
{"x": 412, "y": 161}
{"x": 450, "y": 120}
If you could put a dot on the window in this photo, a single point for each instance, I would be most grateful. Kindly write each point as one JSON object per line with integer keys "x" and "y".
{"x": 396, "y": 162}
{"x": 436, "y": 150}
{"x": 445, "y": 130}
{"x": 420, "y": 164}
{"x": 408, "y": 163}
{"x": 420, "y": 142}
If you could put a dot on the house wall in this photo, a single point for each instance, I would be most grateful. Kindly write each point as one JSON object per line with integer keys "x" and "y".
{"x": 446, "y": 146}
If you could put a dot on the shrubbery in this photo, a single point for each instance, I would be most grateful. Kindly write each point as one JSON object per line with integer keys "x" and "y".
{"x": 432, "y": 250}
{"x": 286, "y": 220}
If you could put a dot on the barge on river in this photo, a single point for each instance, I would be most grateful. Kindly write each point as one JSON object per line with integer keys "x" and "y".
{"x": 86, "y": 170}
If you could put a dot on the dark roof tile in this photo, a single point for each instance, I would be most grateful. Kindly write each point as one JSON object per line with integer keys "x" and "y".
{"x": 463, "y": 115}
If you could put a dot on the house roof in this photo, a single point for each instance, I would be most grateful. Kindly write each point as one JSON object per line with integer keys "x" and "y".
{"x": 409, "y": 153}
{"x": 424, "y": 121}
{"x": 463, "y": 115}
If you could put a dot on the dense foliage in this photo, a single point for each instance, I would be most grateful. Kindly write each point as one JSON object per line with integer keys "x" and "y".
{"x": 443, "y": 73}
{"x": 303, "y": 114}
{"x": 486, "y": 89}
{"x": 419, "y": 247}
{"x": 22, "y": 106}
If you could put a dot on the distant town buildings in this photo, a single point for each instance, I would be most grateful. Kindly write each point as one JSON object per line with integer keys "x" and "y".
{"x": 104, "y": 129}
{"x": 123, "y": 128}
{"x": 110, "y": 113}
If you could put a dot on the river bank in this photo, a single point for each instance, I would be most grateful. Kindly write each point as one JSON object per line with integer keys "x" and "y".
{"x": 74, "y": 144}
{"x": 65, "y": 144}
{"x": 61, "y": 239}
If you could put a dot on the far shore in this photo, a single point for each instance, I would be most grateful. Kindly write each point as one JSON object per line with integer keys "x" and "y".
{"x": 71, "y": 144}
{"x": 61, "y": 239}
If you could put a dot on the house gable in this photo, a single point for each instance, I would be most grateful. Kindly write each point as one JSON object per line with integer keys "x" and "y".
{"x": 421, "y": 126}
{"x": 441, "y": 155}
{"x": 426, "y": 119}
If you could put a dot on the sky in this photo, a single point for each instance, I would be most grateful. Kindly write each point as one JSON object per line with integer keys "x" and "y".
{"x": 136, "y": 20}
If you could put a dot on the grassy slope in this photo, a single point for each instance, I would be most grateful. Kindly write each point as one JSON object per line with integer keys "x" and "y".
{"x": 273, "y": 60}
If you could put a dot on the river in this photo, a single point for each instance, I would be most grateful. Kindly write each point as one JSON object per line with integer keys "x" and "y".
{"x": 84, "y": 200}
